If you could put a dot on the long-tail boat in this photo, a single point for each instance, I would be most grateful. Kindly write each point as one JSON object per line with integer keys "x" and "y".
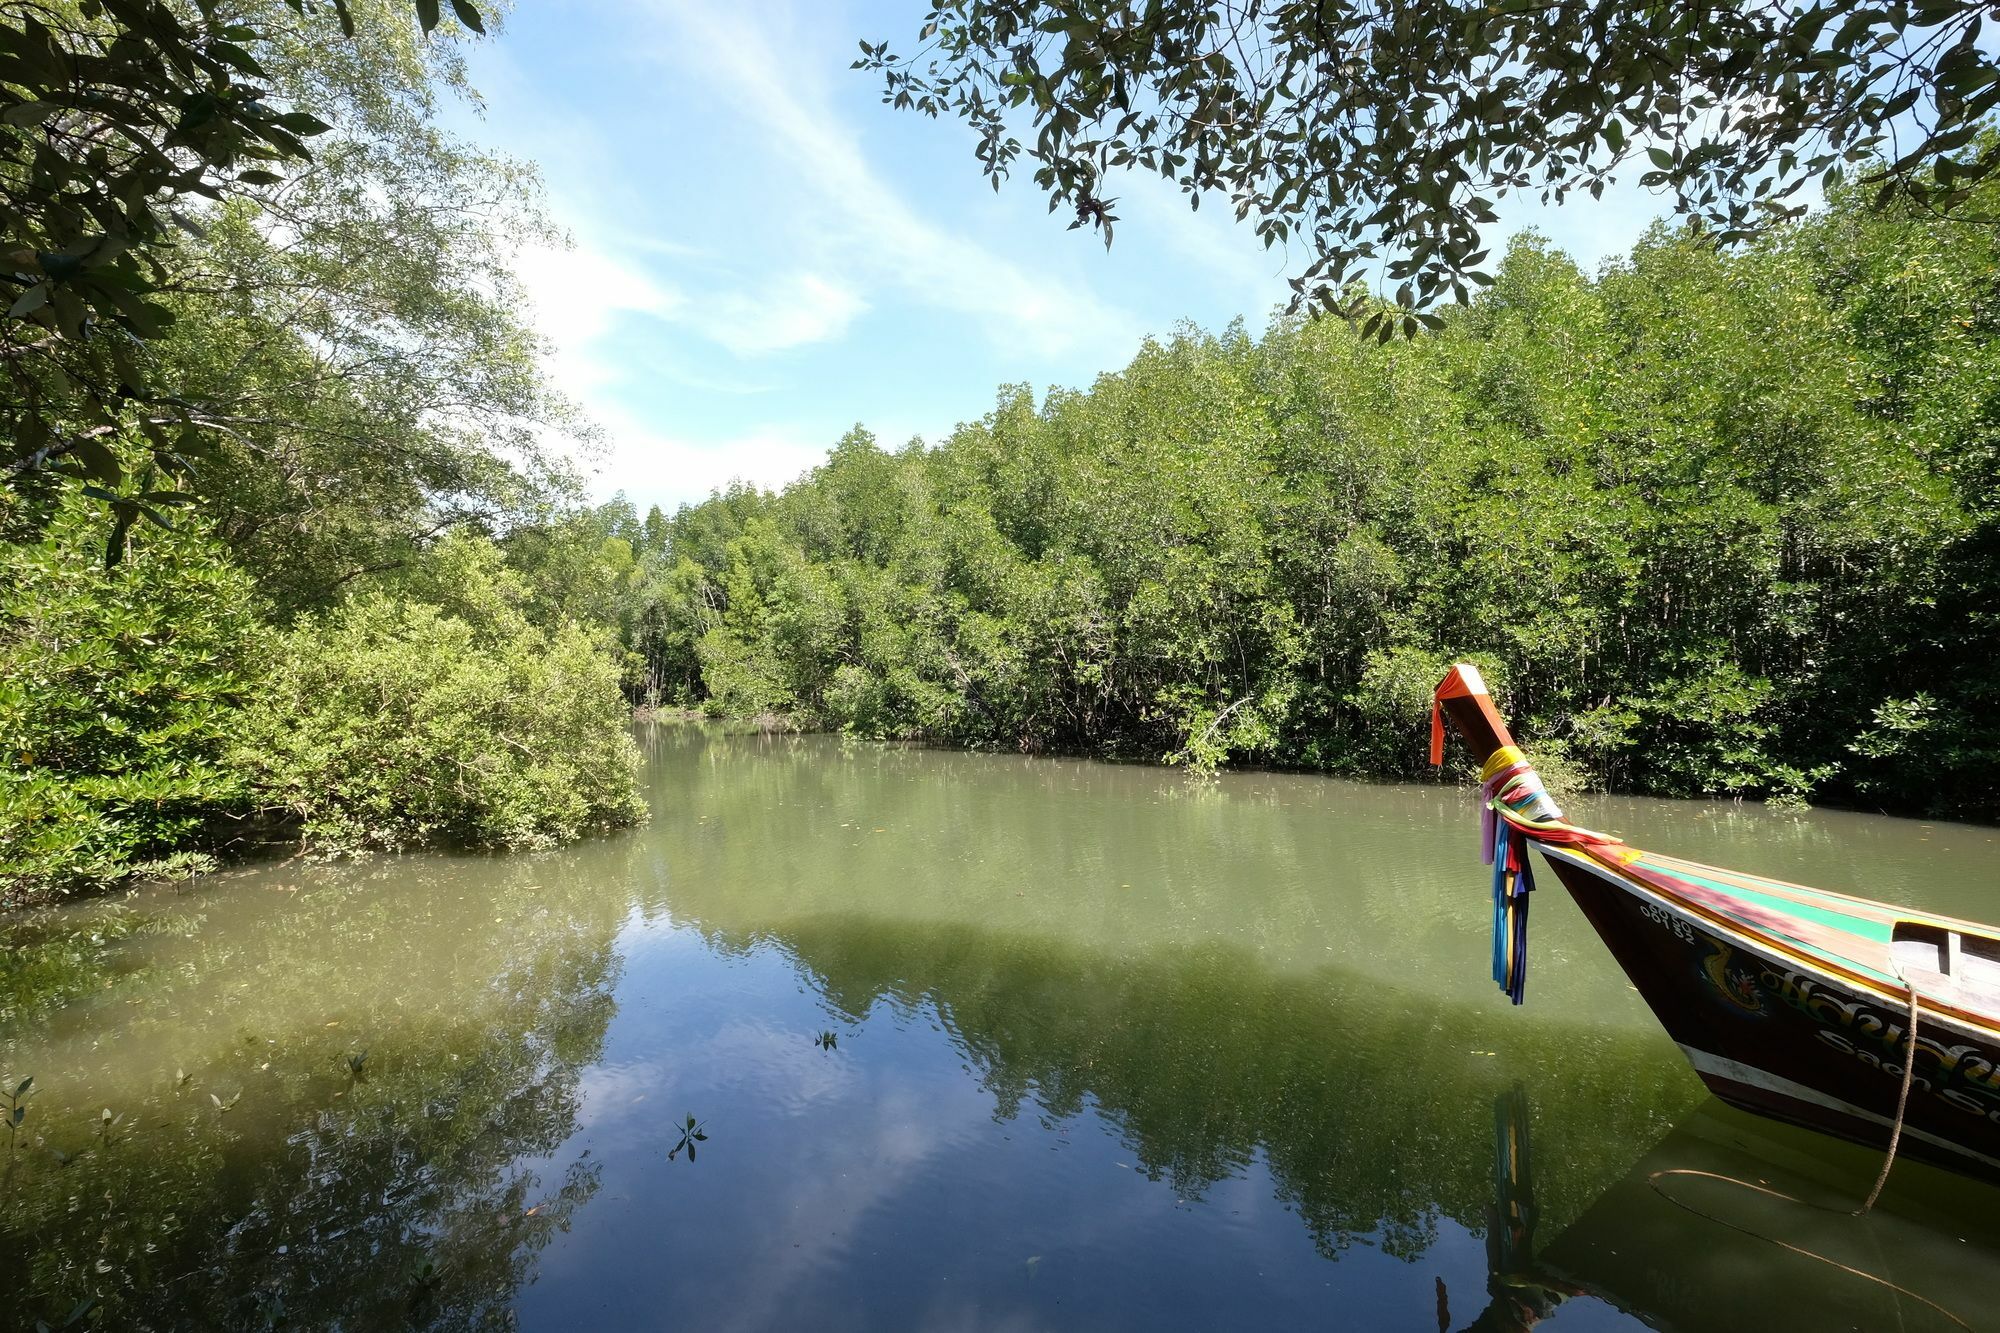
{"x": 1791, "y": 1002}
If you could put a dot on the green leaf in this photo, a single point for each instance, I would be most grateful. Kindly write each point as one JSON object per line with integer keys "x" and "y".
{"x": 28, "y": 113}
{"x": 303, "y": 123}
{"x": 231, "y": 54}
{"x": 29, "y": 301}
{"x": 98, "y": 461}
{"x": 468, "y": 14}
{"x": 427, "y": 14}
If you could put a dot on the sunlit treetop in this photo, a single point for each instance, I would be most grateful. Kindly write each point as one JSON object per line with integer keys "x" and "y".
{"x": 120, "y": 120}
{"x": 1379, "y": 136}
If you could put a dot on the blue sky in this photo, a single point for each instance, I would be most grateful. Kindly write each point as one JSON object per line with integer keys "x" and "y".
{"x": 764, "y": 255}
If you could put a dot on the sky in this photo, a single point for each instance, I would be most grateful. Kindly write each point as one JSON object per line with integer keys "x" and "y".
{"x": 762, "y": 255}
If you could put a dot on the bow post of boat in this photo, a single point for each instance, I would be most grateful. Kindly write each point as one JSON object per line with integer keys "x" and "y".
{"x": 1462, "y": 696}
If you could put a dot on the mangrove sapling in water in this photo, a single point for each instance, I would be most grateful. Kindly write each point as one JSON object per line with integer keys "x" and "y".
{"x": 424, "y": 1284}
{"x": 691, "y": 1134}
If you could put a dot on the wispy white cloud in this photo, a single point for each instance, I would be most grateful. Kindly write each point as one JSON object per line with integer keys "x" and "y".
{"x": 858, "y": 212}
{"x": 783, "y": 312}
{"x": 652, "y": 464}
{"x": 579, "y": 294}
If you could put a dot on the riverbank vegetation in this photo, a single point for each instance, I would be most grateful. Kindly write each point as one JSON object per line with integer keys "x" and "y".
{"x": 1715, "y": 523}
{"x": 275, "y": 606}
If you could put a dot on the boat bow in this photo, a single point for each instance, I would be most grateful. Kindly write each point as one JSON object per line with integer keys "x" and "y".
{"x": 1795, "y": 1002}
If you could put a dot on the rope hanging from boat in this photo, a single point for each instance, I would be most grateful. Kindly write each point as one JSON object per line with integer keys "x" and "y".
{"x": 1902, "y": 1106}
{"x": 1657, "y": 1176}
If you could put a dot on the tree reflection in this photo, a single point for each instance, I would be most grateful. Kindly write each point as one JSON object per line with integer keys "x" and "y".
{"x": 481, "y": 990}
{"x": 1369, "y": 1105}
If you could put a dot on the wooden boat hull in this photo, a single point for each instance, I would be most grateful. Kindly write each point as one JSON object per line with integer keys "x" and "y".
{"x": 1778, "y": 1036}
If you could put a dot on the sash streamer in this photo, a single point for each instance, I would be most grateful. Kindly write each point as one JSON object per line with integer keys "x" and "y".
{"x": 1510, "y": 789}
{"x": 1514, "y": 808}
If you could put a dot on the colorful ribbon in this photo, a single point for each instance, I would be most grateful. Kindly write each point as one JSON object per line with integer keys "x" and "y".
{"x": 1514, "y": 806}
{"x": 1513, "y": 881}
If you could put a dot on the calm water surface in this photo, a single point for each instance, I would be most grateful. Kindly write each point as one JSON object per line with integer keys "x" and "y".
{"x": 975, "y": 1042}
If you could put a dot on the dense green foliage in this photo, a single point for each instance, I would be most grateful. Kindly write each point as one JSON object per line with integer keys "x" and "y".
{"x": 1715, "y": 523}
{"x": 310, "y": 647}
{"x": 148, "y": 712}
{"x": 119, "y": 119}
{"x": 1378, "y": 135}
{"x": 119, "y": 690}
{"x": 392, "y": 724}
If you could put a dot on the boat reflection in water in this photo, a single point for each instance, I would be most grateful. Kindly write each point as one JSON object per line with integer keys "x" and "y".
{"x": 1731, "y": 1223}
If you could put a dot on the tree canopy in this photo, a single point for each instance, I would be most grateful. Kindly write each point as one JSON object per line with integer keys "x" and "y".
{"x": 121, "y": 123}
{"x": 1713, "y": 522}
{"x": 1380, "y": 135}
{"x": 340, "y": 371}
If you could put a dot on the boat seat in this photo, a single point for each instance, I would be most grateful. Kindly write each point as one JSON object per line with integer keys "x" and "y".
{"x": 1951, "y": 965}
{"x": 1921, "y": 949}
{"x": 1976, "y": 964}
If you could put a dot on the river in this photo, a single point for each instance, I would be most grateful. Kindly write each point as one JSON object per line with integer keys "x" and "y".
{"x": 969, "y": 1041}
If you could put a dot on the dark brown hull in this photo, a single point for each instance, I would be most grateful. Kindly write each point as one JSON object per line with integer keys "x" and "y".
{"x": 1787, "y": 1040}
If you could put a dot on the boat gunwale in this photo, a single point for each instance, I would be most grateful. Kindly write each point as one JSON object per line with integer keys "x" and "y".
{"x": 1893, "y": 911}
{"x": 1984, "y": 1024}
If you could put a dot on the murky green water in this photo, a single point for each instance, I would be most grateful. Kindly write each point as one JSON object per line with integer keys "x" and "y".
{"x": 975, "y": 1042}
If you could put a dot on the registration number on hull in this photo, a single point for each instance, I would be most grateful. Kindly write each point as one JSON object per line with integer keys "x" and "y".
{"x": 1668, "y": 922}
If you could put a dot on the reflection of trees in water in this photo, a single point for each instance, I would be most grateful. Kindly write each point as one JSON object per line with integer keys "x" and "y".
{"x": 991, "y": 898}
{"x": 772, "y": 830}
{"x": 481, "y": 990}
{"x": 1372, "y": 1107}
